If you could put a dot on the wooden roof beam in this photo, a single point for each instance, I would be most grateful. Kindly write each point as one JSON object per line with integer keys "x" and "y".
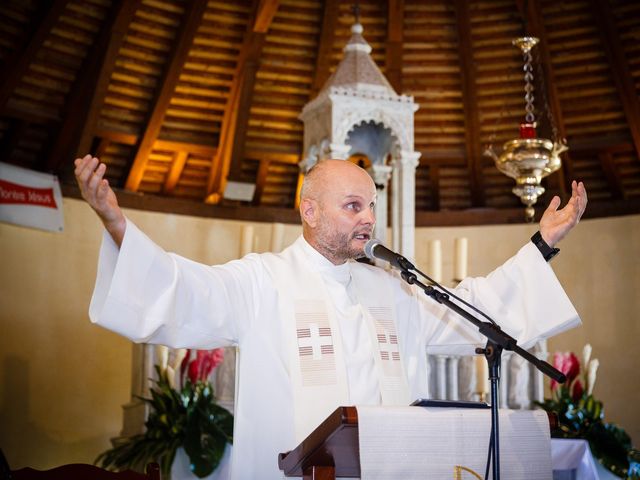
{"x": 473, "y": 148}
{"x": 18, "y": 63}
{"x": 264, "y": 16}
{"x": 244, "y": 100}
{"x": 533, "y": 16}
{"x": 325, "y": 46}
{"x": 168, "y": 81}
{"x": 230, "y": 153}
{"x": 619, "y": 68}
{"x": 94, "y": 74}
{"x": 261, "y": 181}
{"x": 395, "y": 37}
{"x": 177, "y": 166}
{"x": 116, "y": 39}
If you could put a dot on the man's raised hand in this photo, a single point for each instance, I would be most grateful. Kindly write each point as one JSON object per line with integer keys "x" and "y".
{"x": 555, "y": 224}
{"x": 96, "y": 191}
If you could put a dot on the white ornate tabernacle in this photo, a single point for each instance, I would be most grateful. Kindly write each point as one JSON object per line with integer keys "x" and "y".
{"x": 358, "y": 112}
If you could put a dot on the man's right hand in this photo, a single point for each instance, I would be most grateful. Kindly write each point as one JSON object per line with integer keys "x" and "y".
{"x": 96, "y": 191}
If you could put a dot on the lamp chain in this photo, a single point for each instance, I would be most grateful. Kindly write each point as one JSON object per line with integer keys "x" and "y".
{"x": 530, "y": 116}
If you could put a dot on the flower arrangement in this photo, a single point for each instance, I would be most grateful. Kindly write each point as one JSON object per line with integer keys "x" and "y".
{"x": 580, "y": 415}
{"x": 184, "y": 415}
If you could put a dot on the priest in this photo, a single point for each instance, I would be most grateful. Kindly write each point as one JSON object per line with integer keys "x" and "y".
{"x": 315, "y": 329}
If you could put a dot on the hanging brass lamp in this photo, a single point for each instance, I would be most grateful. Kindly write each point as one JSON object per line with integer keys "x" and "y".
{"x": 528, "y": 159}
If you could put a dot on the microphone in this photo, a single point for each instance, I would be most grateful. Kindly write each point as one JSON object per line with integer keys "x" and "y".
{"x": 375, "y": 249}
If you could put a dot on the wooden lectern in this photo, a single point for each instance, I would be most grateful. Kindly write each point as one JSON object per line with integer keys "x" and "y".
{"x": 330, "y": 451}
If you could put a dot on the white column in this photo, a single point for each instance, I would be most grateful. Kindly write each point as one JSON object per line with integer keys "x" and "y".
{"x": 519, "y": 383}
{"x": 381, "y": 175}
{"x": 538, "y": 377}
{"x": 395, "y": 204}
{"x": 408, "y": 164}
{"x": 135, "y": 411}
{"x": 505, "y": 381}
{"x": 452, "y": 378}
{"x": 441, "y": 379}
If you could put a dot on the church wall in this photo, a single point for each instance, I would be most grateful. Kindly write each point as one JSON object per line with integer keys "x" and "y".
{"x": 63, "y": 381}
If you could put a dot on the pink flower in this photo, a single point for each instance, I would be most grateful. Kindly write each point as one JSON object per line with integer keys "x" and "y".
{"x": 198, "y": 364}
{"x": 568, "y": 364}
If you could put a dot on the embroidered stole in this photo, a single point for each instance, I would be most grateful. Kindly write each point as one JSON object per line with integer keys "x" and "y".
{"x": 316, "y": 361}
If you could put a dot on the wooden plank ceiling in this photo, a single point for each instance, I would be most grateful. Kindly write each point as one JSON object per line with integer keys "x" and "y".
{"x": 180, "y": 97}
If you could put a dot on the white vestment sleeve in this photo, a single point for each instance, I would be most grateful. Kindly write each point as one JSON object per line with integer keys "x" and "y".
{"x": 151, "y": 296}
{"x": 523, "y": 296}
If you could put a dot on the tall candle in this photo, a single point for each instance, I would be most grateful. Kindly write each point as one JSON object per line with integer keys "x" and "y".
{"x": 246, "y": 240}
{"x": 482, "y": 374}
{"x": 277, "y": 235}
{"x": 460, "y": 258}
{"x": 435, "y": 260}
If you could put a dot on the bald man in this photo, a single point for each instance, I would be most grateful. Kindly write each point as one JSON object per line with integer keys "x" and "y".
{"x": 315, "y": 329}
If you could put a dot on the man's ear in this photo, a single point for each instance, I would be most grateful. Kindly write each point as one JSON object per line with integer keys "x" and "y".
{"x": 309, "y": 211}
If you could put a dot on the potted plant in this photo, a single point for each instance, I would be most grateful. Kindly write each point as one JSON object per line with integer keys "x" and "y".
{"x": 183, "y": 416}
{"x": 580, "y": 415}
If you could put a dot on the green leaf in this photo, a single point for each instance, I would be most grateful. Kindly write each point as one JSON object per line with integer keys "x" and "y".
{"x": 189, "y": 418}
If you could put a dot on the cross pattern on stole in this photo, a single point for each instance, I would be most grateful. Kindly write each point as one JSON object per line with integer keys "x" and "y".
{"x": 315, "y": 341}
{"x": 388, "y": 345}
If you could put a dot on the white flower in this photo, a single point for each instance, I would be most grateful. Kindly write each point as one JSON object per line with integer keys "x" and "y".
{"x": 177, "y": 356}
{"x": 162, "y": 354}
{"x": 591, "y": 377}
{"x": 586, "y": 355}
{"x": 171, "y": 377}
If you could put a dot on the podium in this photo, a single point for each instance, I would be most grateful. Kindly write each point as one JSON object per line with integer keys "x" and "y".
{"x": 332, "y": 449}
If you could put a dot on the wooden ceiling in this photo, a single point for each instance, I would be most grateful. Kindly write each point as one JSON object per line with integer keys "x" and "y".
{"x": 178, "y": 97}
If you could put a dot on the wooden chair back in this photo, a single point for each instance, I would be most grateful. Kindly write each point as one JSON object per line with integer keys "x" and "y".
{"x": 83, "y": 471}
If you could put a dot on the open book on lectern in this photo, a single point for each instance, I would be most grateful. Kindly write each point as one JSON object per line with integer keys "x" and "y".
{"x": 425, "y": 402}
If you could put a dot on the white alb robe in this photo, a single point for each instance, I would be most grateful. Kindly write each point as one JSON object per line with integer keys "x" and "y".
{"x": 152, "y": 296}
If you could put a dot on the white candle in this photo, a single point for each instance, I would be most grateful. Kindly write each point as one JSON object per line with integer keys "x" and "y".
{"x": 435, "y": 260}
{"x": 277, "y": 237}
{"x": 460, "y": 258}
{"x": 482, "y": 374}
{"x": 246, "y": 240}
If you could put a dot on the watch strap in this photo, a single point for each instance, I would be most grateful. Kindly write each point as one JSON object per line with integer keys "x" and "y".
{"x": 547, "y": 252}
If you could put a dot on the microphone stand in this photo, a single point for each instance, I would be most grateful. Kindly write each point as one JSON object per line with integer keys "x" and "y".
{"x": 497, "y": 341}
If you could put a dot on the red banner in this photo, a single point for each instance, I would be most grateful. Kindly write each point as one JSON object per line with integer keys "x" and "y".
{"x": 14, "y": 193}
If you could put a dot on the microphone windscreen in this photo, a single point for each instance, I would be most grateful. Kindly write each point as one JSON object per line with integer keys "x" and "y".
{"x": 369, "y": 246}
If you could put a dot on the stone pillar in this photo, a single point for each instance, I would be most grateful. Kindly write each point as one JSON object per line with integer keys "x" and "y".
{"x": 540, "y": 351}
{"x": 395, "y": 205}
{"x": 453, "y": 379}
{"x": 441, "y": 369}
{"x": 505, "y": 381}
{"x": 134, "y": 413}
{"x": 381, "y": 175}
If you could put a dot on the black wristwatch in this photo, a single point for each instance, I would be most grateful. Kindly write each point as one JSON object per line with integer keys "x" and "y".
{"x": 547, "y": 252}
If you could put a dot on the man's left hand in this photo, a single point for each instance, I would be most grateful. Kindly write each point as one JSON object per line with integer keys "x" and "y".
{"x": 555, "y": 224}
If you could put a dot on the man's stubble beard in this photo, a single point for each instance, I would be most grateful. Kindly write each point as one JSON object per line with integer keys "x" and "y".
{"x": 336, "y": 245}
